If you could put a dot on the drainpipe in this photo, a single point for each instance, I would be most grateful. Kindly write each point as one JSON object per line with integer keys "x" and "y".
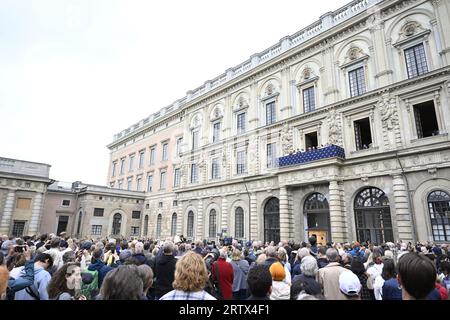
{"x": 410, "y": 204}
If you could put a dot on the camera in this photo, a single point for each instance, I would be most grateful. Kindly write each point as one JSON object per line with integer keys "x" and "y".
{"x": 19, "y": 248}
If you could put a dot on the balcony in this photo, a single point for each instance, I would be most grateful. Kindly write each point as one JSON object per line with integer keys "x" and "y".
{"x": 332, "y": 151}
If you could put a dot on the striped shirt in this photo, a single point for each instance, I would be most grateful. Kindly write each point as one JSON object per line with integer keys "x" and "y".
{"x": 187, "y": 295}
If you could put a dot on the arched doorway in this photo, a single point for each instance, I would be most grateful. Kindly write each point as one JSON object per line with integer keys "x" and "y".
{"x": 239, "y": 223}
{"x": 272, "y": 220}
{"x": 317, "y": 214}
{"x": 117, "y": 222}
{"x": 439, "y": 209}
{"x": 212, "y": 223}
{"x": 373, "y": 216}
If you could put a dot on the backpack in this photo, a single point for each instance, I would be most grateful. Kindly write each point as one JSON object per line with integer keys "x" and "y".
{"x": 90, "y": 289}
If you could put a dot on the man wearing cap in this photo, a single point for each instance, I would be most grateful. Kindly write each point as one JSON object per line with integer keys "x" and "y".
{"x": 350, "y": 285}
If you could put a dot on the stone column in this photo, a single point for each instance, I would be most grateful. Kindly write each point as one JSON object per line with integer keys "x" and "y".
{"x": 253, "y": 218}
{"x": 224, "y": 216}
{"x": 285, "y": 217}
{"x": 36, "y": 214}
{"x": 7, "y": 213}
{"x": 199, "y": 234}
{"x": 402, "y": 211}
{"x": 441, "y": 11}
{"x": 337, "y": 221}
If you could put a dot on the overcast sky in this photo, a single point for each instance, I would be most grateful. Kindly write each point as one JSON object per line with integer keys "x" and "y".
{"x": 75, "y": 72}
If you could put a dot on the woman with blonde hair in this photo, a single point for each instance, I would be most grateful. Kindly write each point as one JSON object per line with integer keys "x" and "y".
{"x": 191, "y": 277}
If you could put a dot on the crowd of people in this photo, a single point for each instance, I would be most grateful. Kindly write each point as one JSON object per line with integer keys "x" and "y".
{"x": 52, "y": 267}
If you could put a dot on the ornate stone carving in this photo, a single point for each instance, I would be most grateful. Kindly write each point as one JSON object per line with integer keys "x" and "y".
{"x": 270, "y": 89}
{"x": 388, "y": 111}
{"x": 252, "y": 153}
{"x": 286, "y": 139}
{"x": 334, "y": 125}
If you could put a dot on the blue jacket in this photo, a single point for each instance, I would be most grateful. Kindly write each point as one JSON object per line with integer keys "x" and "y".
{"x": 24, "y": 281}
{"x": 356, "y": 252}
{"x": 102, "y": 270}
{"x": 391, "y": 290}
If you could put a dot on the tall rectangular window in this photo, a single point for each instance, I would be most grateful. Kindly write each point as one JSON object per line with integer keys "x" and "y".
{"x": 240, "y": 122}
{"x": 363, "y": 136}
{"x": 426, "y": 121}
{"x": 96, "y": 230}
{"x": 179, "y": 142}
{"x": 149, "y": 183}
{"x": 131, "y": 163}
{"x": 215, "y": 169}
{"x": 357, "y": 82}
{"x": 194, "y": 139}
{"x": 271, "y": 155}
{"x": 241, "y": 162}
{"x": 18, "y": 228}
{"x": 309, "y": 100}
{"x": 194, "y": 173}
{"x": 311, "y": 140}
{"x": 138, "y": 184}
{"x": 216, "y": 132}
{"x": 165, "y": 149}
{"x": 122, "y": 165}
{"x": 129, "y": 181}
{"x": 416, "y": 61}
{"x": 141, "y": 159}
{"x": 162, "y": 181}
{"x": 114, "y": 165}
{"x": 152, "y": 155}
{"x": 270, "y": 113}
{"x": 176, "y": 177}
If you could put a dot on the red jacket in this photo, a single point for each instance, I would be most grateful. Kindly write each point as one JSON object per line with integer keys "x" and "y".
{"x": 442, "y": 291}
{"x": 226, "y": 277}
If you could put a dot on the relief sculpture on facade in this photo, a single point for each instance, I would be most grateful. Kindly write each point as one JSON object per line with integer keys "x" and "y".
{"x": 334, "y": 125}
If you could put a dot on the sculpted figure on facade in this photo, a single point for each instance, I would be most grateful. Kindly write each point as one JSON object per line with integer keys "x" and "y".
{"x": 334, "y": 125}
{"x": 388, "y": 111}
{"x": 286, "y": 139}
{"x": 252, "y": 152}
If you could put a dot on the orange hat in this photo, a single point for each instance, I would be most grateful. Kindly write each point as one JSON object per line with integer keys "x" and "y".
{"x": 277, "y": 271}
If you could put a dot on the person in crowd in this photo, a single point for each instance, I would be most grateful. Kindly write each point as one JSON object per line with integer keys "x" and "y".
{"x": 308, "y": 276}
{"x": 165, "y": 270}
{"x": 303, "y": 252}
{"x": 346, "y": 260}
{"x": 259, "y": 282}
{"x": 280, "y": 289}
{"x": 416, "y": 275}
{"x": 66, "y": 283}
{"x": 260, "y": 258}
{"x": 55, "y": 253}
{"x": 198, "y": 247}
{"x": 68, "y": 257}
{"x": 349, "y": 285}
{"x": 146, "y": 274}
{"x": 4, "y": 277}
{"x": 313, "y": 242}
{"x": 357, "y": 267}
{"x": 98, "y": 265}
{"x": 328, "y": 277}
{"x": 223, "y": 276}
{"x": 190, "y": 279}
{"x": 38, "y": 290}
{"x": 386, "y": 286}
{"x": 139, "y": 253}
{"x": 445, "y": 269}
{"x": 283, "y": 258}
{"x": 122, "y": 283}
{"x": 240, "y": 271}
{"x": 272, "y": 256}
{"x": 321, "y": 257}
{"x": 374, "y": 270}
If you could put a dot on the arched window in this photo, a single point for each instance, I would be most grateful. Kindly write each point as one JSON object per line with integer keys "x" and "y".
{"x": 212, "y": 223}
{"x": 239, "y": 223}
{"x": 439, "y": 208}
{"x": 373, "y": 216}
{"x": 158, "y": 225}
{"x": 190, "y": 224}
{"x": 173, "y": 227}
{"x": 272, "y": 221}
{"x": 80, "y": 216}
{"x": 117, "y": 221}
{"x": 317, "y": 214}
{"x": 146, "y": 226}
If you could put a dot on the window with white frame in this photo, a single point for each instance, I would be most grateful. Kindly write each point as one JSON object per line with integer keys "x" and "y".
{"x": 309, "y": 100}
{"x": 195, "y": 135}
{"x": 271, "y": 155}
{"x": 416, "y": 61}
{"x": 241, "y": 161}
{"x": 240, "y": 122}
{"x": 149, "y": 183}
{"x": 131, "y": 162}
{"x": 165, "y": 149}
{"x": 176, "y": 177}
{"x": 194, "y": 173}
{"x": 270, "y": 113}
{"x": 122, "y": 165}
{"x": 129, "y": 181}
{"x": 152, "y": 155}
{"x": 114, "y": 165}
{"x": 179, "y": 142}
{"x": 138, "y": 184}
{"x": 96, "y": 229}
{"x": 215, "y": 169}
{"x": 216, "y": 132}
{"x": 65, "y": 203}
{"x": 141, "y": 158}
{"x": 162, "y": 181}
{"x": 357, "y": 82}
